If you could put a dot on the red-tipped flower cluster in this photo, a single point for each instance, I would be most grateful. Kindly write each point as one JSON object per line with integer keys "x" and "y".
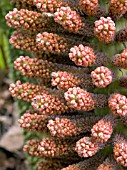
{"x": 69, "y": 19}
{"x": 26, "y": 20}
{"x": 79, "y": 99}
{"x": 105, "y": 29}
{"x": 33, "y": 121}
{"x": 24, "y": 41}
{"x": 25, "y": 91}
{"x": 120, "y": 60}
{"x": 85, "y": 147}
{"x": 82, "y": 55}
{"x": 89, "y": 7}
{"x": 118, "y": 104}
{"x": 120, "y": 150}
{"x": 48, "y": 5}
{"x": 64, "y": 80}
{"x": 48, "y": 147}
{"x": 34, "y": 67}
{"x": 49, "y": 104}
{"x": 101, "y": 77}
{"x": 102, "y": 130}
{"x": 62, "y": 127}
{"x": 50, "y": 43}
{"x": 118, "y": 7}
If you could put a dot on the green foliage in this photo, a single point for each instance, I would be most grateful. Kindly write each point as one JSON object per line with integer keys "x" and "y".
{"x": 3, "y": 50}
{"x": 5, "y": 7}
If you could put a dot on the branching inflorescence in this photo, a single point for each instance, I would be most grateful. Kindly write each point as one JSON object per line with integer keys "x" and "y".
{"x": 80, "y": 93}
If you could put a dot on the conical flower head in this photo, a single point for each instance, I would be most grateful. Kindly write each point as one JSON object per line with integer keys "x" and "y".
{"x": 64, "y": 80}
{"x": 49, "y": 104}
{"x": 62, "y": 127}
{"x": 31, "y": 120}
{"x": 118, "y": 104}
{"x": 85, "y": 147}
{"x": 102, "y": 130}
{"x": 34, "y": 67}
{"x": 48, "y": 5}
{"x": 120, "y": 150}
{"x": 24, "y": 41}
{"x": 68, "y": 18}
{"x": 51, "y": 43}
{"x": 118, "y": 7}
{"x": 120, "y": 60}
{"x": 82, "y": 55}
{"x": 105, "y": 29}
{"x": 79, "y": 99}
{"x": 101, "y": 77}
{"x": 26, "y": 20}
{"x": 53, "y": 148}
{"x": 89, "y": 7}
{"x": 26, "y": 91}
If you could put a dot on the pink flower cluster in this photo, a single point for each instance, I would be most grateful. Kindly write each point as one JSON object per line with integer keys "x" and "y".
{"x": 51, "y": 43}
{"x": 120, "y": 60}
{"x": 48, "y": 5}
{"x": 120, "y": 150}
{"x": 102, "y": 130}
{"x": 89, "y": 7}
{"x": 25, "y": 91}
{"x": 69, "y": 19}
{"x": 82, "y": 55}
{"x": 118, "y": 7}
{"x": 71, "y": 126}
{"x": 105, "y": 29}
{"x": 118, "y": 104}
{"x": 72, "y": 42}
{"x": 32, "y": 120}
{"x": 32, "y": 146}
{"x": 48, "y": 147}
{"x": 64, "y": 80}
{"x": 100, "y": 133}
{"x": 49, "y": 104}
{"x": 79, "y": 99}
{"x": 62, "y": 127}
{"x": 34, "y": 67}
{"x": 85, "y": 147}
{"x": 26, "y": 20}
{"x": 24, "y": 41}
{"x": 101, "y": 77}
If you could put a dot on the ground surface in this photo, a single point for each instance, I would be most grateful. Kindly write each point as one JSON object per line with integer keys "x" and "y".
{"x": 11, "y": 139}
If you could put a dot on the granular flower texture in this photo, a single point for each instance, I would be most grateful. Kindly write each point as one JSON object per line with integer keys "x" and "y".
{"x": 78, "y": 70}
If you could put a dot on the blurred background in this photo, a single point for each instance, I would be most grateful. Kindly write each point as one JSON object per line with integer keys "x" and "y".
{"x": 11, "y": 138}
